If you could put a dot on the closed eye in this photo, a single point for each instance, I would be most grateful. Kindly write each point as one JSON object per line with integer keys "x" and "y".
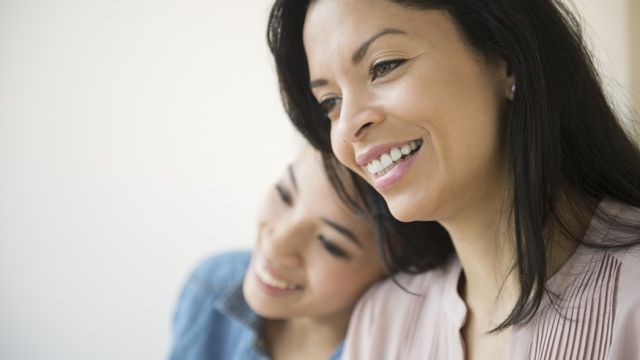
{"x": 284, "y": 194}
{"x": 383, "y": 68}
{"x": 332, "y": 248}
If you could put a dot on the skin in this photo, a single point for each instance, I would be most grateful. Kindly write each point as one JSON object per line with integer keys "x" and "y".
{"x": 427, "y": 84}
{"x": 329, "y": 275}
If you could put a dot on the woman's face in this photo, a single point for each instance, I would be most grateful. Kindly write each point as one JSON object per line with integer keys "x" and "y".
{"x": 413, "y": 109}
{"x": 313, "y": 257}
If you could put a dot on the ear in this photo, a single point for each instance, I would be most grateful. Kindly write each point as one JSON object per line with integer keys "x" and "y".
{"x": 509, "y": 79}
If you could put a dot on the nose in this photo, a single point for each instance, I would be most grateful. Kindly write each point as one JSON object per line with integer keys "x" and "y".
{"x": 282, "y": 244}
{"x": 358, "y": 116}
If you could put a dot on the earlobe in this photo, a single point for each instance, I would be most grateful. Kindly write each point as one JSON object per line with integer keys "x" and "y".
{"x": 512, "y": 90}
{"x": 509, "y": 79}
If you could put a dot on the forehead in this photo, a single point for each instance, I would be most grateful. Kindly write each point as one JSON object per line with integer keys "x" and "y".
{"x": 339, "y": 22}
{"x": 312, "y": 181}
{"x": 339, "y": 27}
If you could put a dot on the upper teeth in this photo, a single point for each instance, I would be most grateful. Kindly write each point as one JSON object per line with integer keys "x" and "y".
{"x": 386, "y": 160}
{"x": 268, "y": 279}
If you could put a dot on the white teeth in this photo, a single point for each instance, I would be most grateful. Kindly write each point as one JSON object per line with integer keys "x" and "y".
{"x": 395, "y": 154}
{"x": 386, "y": 160}
{"x": 370, "y": 168}
{"x": 271, "y": 281}
{"x": 406, "y": 149}
{"x": 376, "y": 166}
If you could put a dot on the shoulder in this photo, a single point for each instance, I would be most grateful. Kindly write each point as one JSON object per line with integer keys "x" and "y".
{"x": 624, "y": 227}
{"x": 408, "y": 288}
{"x": 211, "y": 317}
{"x": 619, "y": 224}
{"x": 391, "y": 312}
{"x": 214, "y": 279}
{"x": 628, "y": 292}
{"x": 626, "y": 327}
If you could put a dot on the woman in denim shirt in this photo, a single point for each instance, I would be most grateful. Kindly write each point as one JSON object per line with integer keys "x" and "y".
{"x": 292, "y": 297}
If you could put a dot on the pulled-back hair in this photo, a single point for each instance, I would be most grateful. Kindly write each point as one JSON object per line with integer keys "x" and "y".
{"x": 560, "y": 134}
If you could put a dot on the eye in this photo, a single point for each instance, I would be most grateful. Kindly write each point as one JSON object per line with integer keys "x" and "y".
{"x": 329, "y": 105}
{"x": 285, "y": 195}
{"x": 332, "y": 248}
{"x": 382, "y": 68}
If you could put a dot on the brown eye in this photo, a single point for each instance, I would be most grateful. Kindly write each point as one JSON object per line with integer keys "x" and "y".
{"x": 328, "y": 105}
{"x": 381, "y": 69}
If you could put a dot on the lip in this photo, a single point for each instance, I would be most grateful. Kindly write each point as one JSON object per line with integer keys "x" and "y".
{"x": 266, "y": 266}
{"x": 399, "y": 170}
{"x": 266, "y": 263}
{"x": 270, "y": 290}
{"x": 375, "y": 151}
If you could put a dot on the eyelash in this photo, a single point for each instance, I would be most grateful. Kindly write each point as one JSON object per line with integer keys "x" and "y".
{"x": 332, "y": 248}
{"x": 329, "y": 104}
{"x": 377, "y": 70}
{"x": 382, "y": 68}
{"x": 285, "y": 196}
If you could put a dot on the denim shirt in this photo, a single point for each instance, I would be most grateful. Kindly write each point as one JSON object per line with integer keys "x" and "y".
{"x": 212, "y": 319}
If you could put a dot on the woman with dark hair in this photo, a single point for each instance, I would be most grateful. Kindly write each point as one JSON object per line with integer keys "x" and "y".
{"x": 291, "y": 297}
{"x": 488, "y": 117}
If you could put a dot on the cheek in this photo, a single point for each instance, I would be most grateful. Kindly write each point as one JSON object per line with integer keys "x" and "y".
{"x": 343, "y": 151}
{"x": 265, "y": 210}
{"x": 342, "y": 288}
{"x": 270, "y": 209}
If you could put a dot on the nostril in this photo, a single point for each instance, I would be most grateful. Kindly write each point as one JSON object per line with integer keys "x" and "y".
{"x": 363, "y": 128}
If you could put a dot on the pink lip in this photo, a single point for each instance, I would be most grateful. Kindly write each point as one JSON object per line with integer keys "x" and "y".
{"x": 375, "y": 151}
{"x": 399, "y": 170}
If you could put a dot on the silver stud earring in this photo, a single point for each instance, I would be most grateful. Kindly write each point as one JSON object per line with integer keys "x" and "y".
{"x": 513, "y": 88}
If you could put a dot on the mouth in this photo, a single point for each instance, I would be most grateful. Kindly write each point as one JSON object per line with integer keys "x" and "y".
{"x": 386, "y": 161}
{"x": 270, "y": 280}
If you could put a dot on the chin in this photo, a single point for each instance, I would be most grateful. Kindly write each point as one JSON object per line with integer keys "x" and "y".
{"x": 258, "y": 304}
{"x": 410, "y": 209}
{"x": 259, "y": 307}
{"x": 402, "y": 211}
{"x": 250, "y": 296}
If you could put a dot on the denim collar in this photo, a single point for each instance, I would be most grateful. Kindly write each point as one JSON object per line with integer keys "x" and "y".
{"x": 231, "y": 302}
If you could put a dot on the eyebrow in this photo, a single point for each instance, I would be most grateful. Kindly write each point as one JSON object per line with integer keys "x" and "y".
{"x": 292, "y": 177}
{"x": 362, "y": 50}
{"x": 344, "y": 231}
{"x": 359, "y": 54}
{"x": 318, "y": 83}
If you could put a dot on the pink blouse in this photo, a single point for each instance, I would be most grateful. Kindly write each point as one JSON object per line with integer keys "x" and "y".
{"x": 597, "y": 316}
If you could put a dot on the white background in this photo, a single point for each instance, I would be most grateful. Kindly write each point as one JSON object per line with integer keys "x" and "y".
{"x": 136, "y": 137}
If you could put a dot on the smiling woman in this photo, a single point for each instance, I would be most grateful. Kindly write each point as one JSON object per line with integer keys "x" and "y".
{"x": 488, "y": 117}
{"x": 293, "y": 295}
{"x": 313, "y": 256}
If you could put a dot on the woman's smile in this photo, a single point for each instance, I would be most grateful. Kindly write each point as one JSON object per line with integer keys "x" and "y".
{"x": 387, "y": 164}
{"x": 272, "y": 283}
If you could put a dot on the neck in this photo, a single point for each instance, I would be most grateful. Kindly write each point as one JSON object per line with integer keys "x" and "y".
{"x": 309, "y": 338}
{"x": 483, "y": 240}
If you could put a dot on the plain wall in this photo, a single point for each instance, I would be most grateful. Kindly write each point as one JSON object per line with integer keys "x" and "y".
{"x": 135, "y": 138}
{"x": 633, "y": 24}
{"x": 610, "y": 30}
